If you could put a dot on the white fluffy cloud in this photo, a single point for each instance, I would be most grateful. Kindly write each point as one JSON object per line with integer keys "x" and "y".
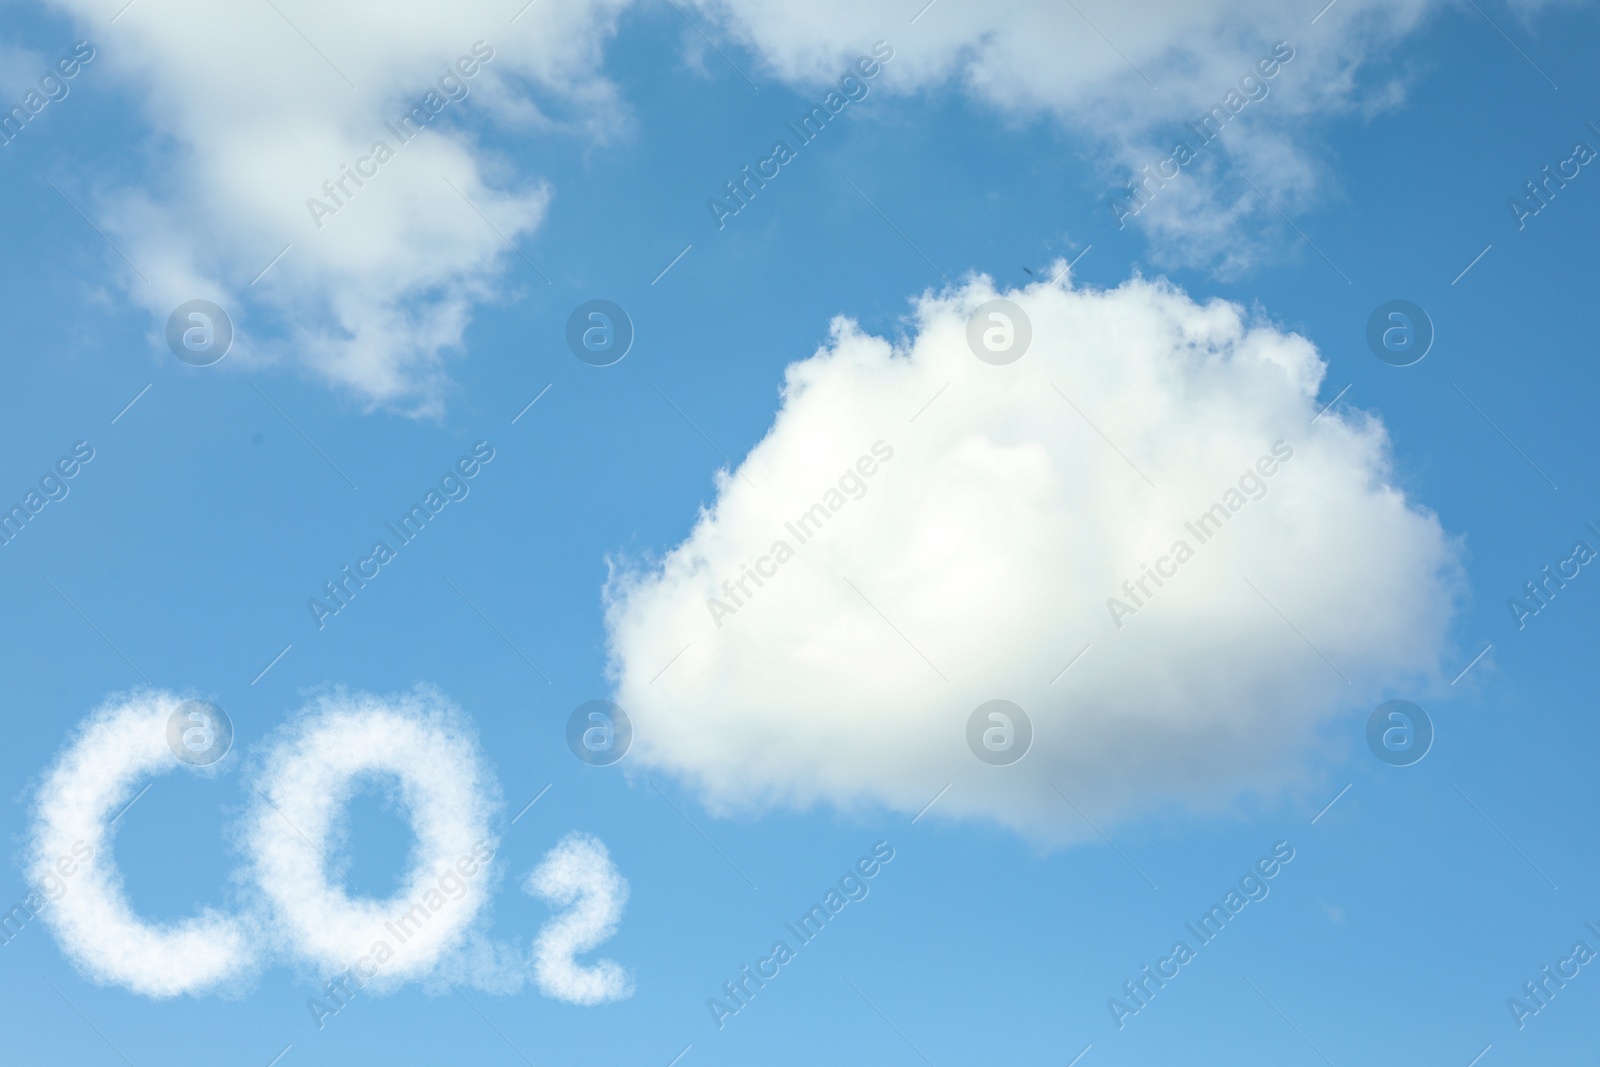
{"x": 971, "y": 549}
{"x": 254, "y": 120}
{"x": 254, "y": 107}
{"x": 1127, "y": 75}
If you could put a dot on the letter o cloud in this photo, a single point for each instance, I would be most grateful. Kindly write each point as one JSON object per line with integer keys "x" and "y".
{"x": 309, "y": 777}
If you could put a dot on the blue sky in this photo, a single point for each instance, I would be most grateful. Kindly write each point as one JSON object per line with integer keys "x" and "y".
{"x": 184, "y": 553}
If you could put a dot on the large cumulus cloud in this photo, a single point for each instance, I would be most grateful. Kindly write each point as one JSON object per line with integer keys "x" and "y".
{"x": 982, "y": 556}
